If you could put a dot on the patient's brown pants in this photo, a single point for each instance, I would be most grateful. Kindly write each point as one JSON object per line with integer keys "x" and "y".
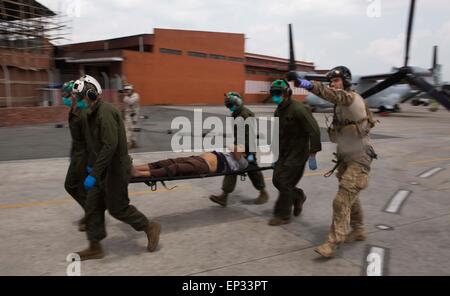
{"x": 181, "y": 166}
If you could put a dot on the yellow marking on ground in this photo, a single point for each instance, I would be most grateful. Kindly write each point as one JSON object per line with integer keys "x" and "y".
{"x": 133, "y": 193}
{"x": 69, "y": 199}
{"x": 428, "y": 160}
{"x": 320, "y": 173}
{"x": 36, "y": 203}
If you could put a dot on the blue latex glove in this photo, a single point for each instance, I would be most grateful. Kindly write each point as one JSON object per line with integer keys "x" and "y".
{"x": 89, "y": 169}
{"x": 251, "y": 158}
{"x": 89, "y": 182}
{"x": 306, "y": 84}
{"x": 312, "y": 162}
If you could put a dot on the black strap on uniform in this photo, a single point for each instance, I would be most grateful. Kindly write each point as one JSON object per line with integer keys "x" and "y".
{"x": 337, "y": 162}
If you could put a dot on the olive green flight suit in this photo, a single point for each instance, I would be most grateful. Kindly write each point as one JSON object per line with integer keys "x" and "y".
{"x": 111, "y": 166}
{"x": 78, "y": 157}
{"x": 257, "y": 178}
{"x": 299, "y": 135}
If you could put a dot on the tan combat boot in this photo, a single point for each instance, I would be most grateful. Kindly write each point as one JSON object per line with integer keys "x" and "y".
{"x": 298, "y": 205}
{"x": 94, "y": 251}
{"x": 262, "y": 198}
{"x": 153, "y": 230}
{"x": 358, "y": 234}
{"x": 326, "y": 250}
{"x": 220, "y": 199}
{"x": 277, "y": 221}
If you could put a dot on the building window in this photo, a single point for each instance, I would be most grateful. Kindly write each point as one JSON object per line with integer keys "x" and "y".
{"x": 235, "y": 59}
{"x": 253, "y": 87}
{"x": 251, "y": 72}
{"x": 197, "y": 54}
{"x": 217, "y": 57}
{"x": 257, "y": 61}
{"x": 170, "y": 51}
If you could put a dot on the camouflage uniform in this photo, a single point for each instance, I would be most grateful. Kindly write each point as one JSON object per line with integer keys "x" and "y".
{"x": 131, "y": 117}
{"x": 350, "y": 130}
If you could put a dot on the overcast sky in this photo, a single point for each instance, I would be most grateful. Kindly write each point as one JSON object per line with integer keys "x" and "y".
{"x": 366, "y": 35}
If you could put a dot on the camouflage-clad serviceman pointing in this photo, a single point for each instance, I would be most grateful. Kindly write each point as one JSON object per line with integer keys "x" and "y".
{"x": 350, "y": 130}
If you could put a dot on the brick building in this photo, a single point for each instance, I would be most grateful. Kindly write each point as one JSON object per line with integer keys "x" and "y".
{"x": 177, "y": 66}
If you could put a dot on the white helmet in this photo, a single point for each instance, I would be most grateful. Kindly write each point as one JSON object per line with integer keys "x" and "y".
{"x": 79, "y": 86}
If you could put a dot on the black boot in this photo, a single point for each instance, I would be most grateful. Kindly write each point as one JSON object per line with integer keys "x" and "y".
{"x": 298, "y": 205}
{"x": 82, "y": 224}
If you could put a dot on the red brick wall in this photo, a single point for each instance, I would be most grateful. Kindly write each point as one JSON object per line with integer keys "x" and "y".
{"x": 138, "y": 69}
{"x": 183, "y": 79}
{"x": 32, "y": 115}
{"x": 38, "y": 115}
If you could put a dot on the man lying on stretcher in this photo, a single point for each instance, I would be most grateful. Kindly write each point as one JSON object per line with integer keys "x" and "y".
{"x": 206, "y": 163}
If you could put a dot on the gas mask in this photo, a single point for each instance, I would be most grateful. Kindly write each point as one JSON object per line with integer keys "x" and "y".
{"x": 277, "y": 96}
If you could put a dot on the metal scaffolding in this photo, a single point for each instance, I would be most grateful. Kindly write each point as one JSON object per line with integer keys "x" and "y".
{"x": 26, "y": 25}
{"x": 27, "y": 30}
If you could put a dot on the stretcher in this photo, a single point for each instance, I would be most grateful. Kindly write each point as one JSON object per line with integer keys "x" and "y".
{"x": 152, "y": 182}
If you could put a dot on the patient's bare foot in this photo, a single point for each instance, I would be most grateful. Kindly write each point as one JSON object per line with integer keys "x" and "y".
{"x": 134, "y": 172}
{"x": 137, "y": 172}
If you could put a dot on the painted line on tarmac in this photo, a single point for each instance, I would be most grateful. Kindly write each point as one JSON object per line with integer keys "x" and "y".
{"x": 397, "y": 201}
{"x": 375, "y": 261}
{"x": 384, "y": 227}
{"x": 321, "y": 173}
{"x": 430, "y": 172}
{"x": 36, "y": 203}
{"x": 134, "y": 193}
{"x": 69, "y": 199}
{"x": 428, "y": 160}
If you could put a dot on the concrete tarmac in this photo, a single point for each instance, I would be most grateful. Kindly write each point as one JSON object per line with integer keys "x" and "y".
{"x": 406, "y": 207}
